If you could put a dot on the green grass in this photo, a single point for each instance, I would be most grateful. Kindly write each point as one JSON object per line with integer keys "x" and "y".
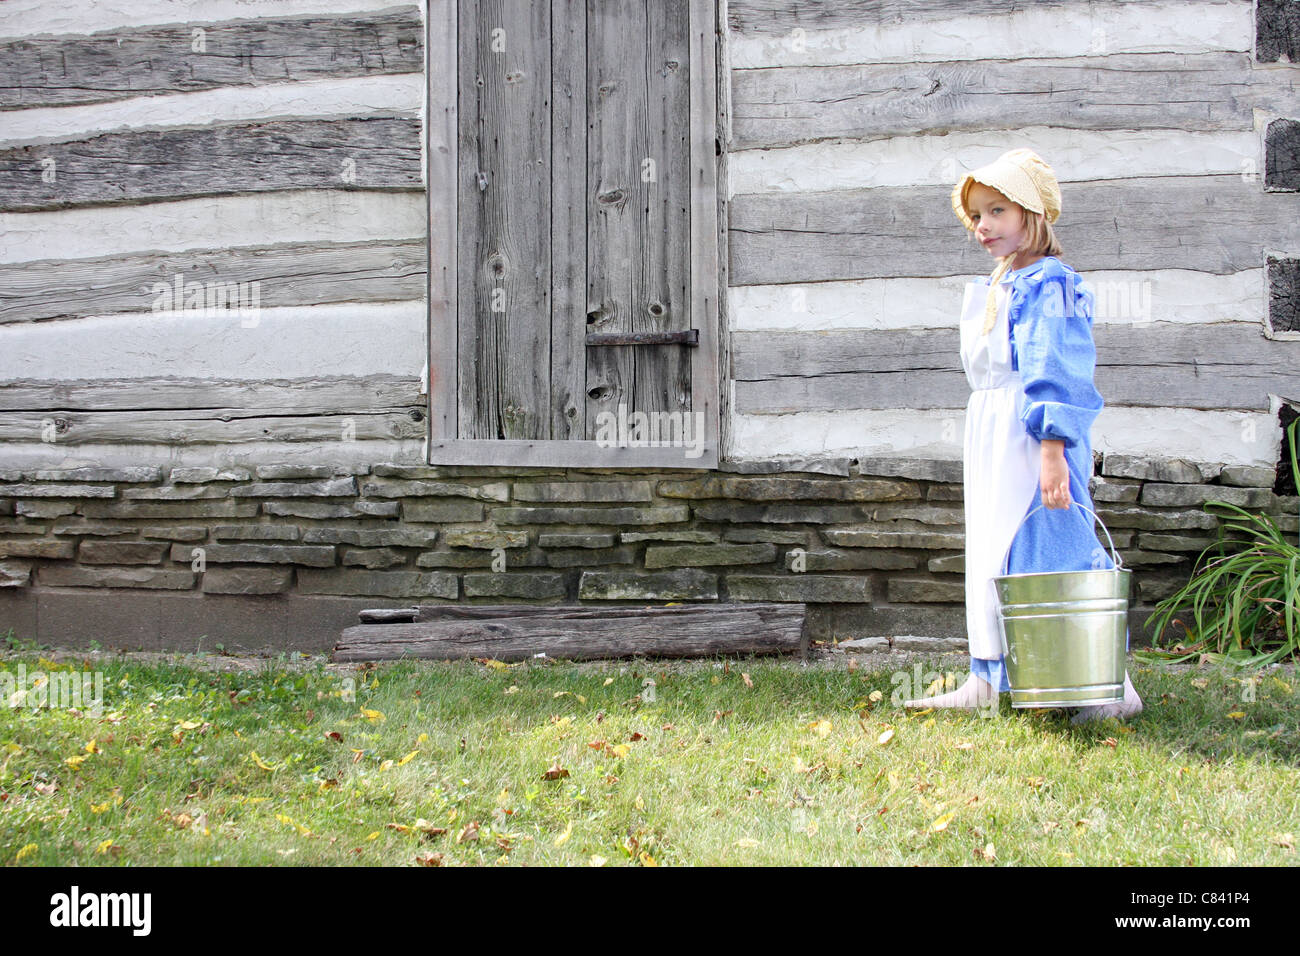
{"x": 195, "y": 766}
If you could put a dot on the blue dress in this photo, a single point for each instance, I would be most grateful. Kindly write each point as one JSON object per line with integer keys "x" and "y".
{"x": 1050, "y": 316}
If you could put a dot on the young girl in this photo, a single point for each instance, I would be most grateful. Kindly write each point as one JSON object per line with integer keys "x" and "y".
{"x": 1028, "y": 353}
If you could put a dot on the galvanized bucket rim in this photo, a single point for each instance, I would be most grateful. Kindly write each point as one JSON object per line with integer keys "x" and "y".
{"x": 1034, "y": 574}
{"x": 1114, "y": 554}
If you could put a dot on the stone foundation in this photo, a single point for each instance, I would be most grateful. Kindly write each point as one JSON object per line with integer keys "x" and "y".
{"x": 283, "y": 557}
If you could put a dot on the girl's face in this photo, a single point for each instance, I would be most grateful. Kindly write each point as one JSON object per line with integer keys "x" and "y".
{"x": 999, "y": 222}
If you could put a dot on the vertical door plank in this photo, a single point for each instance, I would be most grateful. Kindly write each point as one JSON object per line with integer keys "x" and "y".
{"x": 663, "y": 374}
{"x": 708, "y": 281}
{"x": 569, "y": 204}
{"x": 504, "y": 259}
{"x": 638, "y": 91}
{"x": 441, "y": 154}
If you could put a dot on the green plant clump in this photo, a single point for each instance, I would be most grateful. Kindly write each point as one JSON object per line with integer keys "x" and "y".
{"x": 1245, "y": 600}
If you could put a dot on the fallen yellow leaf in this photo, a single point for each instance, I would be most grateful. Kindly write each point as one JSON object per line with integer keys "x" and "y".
{"x": 942, "y": 822}
{"x": 822, "y": 727}
{"x": 564, "y": 837}
{"x": 260, "y": 762}
{"x": 1237, "y": 715}
{"x": 302, "y": 830}
{"x": 27, "y": 851}
{"x": 407, "y": 759}
{"x": 371, "y": 714}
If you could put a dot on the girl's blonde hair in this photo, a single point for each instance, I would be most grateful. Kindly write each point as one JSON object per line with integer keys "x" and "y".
{"x": 1039, "y": 240}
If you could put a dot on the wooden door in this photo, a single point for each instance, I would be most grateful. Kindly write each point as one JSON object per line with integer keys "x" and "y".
{"x": 574, "y": 315}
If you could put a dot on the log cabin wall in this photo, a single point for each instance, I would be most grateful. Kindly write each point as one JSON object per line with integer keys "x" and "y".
{"x": 214, "y": 317}
{"x": 1166, "y": 125}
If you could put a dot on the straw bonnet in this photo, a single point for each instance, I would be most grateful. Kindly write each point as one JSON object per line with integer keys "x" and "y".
{"x": 1023, "y": 177}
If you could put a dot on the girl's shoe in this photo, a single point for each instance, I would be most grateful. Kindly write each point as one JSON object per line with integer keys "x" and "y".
{"x": 1128, "y": 707}
{"x": 974, "y": 694}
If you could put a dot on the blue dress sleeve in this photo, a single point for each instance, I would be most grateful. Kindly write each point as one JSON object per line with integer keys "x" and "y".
{"x": 1052, "y": 346}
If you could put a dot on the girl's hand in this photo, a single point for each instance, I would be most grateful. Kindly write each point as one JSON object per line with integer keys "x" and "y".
{"x": 1054, "y": 477}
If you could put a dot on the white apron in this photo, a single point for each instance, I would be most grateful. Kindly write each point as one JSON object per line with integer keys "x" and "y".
{"x": 1000, "y": 464}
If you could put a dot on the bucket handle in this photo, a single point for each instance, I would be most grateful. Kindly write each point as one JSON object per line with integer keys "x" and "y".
{"x": 1115, "y": 558}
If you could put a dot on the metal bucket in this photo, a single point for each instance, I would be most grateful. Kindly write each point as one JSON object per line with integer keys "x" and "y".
{"x": 1064, "y": 632}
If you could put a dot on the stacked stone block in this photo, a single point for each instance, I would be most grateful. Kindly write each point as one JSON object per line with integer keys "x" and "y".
{"x": 873, "y": 546}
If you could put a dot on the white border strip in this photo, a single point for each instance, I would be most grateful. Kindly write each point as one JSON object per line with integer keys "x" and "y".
{"x": 1075, "y": 155}
{"x": 1121, "y": 297}
{"x": 28, "y": 18}
{"x": 388, "y": 95}
{"x": 263, "y": 219}
{"x": 1079, "y": 29}
{"x": 1233, "y": 438}
{"x": 316, "y": 341}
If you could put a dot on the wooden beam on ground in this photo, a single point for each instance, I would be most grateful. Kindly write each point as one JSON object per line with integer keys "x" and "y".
{"x": 512, "y": 632}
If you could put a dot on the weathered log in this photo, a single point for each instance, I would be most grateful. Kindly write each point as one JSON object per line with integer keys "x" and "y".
{"x": 324, "y": 395}
{"x": 182, "y": 58}
{"x": 778, "y": 17}
{"x": 149, "y": 165}
{"x": 389, "y": 615}
{"x": 289, "y": 275}
{"x": 1132, "y": 224}
{"x": 1206, "y": 91}
{"x": 202, "y": 426}
{"x": 1213, "y": 365}
{"x": 518, "y": 632}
